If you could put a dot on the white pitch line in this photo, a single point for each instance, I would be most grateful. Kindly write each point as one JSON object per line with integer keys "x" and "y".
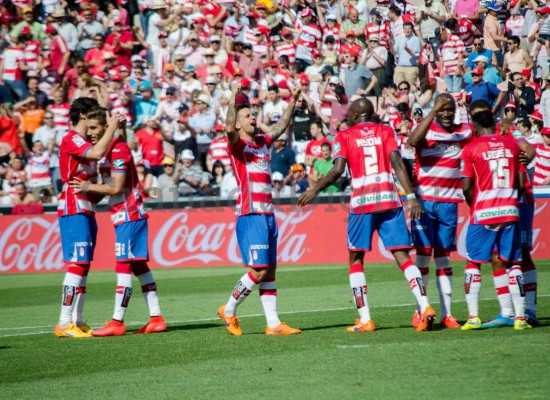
{"x": 352, "y": 346}
{"x": 240, "y": 316}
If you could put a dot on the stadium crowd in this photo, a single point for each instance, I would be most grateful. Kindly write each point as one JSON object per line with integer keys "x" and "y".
{"x": 168, "y": 67}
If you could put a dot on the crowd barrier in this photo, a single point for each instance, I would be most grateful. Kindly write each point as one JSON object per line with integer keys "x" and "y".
{"x": 203, "y": 234}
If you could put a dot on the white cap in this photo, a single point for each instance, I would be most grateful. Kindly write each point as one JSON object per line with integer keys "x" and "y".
{"x": 187, "y": 155}
{"x": 283, "y": 137}
{"x": 136, "y": 57}
{"x": 277, "y": 177}
{"x": 210, "y": 79}
{"x": 204, "y": 98}
{"x": 482, "y": 59}
{"x": 214, "y": 38}
{"x": 334, "y": 79}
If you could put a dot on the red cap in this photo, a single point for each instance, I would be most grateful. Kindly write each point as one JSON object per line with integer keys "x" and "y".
{"x": 545, "y": 131}
{"x": 245, "y": 82}
{"x": 255, "y": 101}
{"x": 477, "y": 71}
{"x": 306, "y": 12}
{"x": 315, "y": 53}
{"x": 283, "y": 84}
{"x": 101, "y": 76}
{"x": 242, "y": 99}
{"x": 353, "y": 52}
{"x": 219, "y": 127}
{"x": 238, "y": 71}
{"x": 304, "y": 79}
{"x": 163, "y": 34}
{"x": 350, "y": 33}
{"x": 124, "y": 68}
{"x": 526, "y": 73}
{"x": 261, "y": 6}
{"x": 119, "y": 21}
{"x": 49, "y": 29}
{"x": 200, "y": 20}
{"x": 116, "y": 78}
{"x": 26, "y": 30}
{"x": 545, "y": 10}
{"x": 272, "y": 63}
{"x": 202, "y": 2}
{"x": 536, "y": 115}
{"x": 286, "y": 31}
{"x": 253, "y": 15}
{"x": 510, "y": 104}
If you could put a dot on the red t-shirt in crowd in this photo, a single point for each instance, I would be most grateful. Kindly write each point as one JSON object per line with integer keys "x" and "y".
{"x": 151, "y": 146}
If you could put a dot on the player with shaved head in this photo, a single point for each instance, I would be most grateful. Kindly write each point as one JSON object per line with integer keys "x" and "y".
{"x": 370, "y": 151}
{"x": 256, "y": 225}
{"x": 439, "y": 143}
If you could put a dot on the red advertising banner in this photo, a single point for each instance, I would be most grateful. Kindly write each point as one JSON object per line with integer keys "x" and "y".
{"x": 206, "y": 237}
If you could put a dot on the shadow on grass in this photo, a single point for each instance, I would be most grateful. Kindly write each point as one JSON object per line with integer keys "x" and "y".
{"x": 5, "y": 347}
{"x": 188, "y": 327}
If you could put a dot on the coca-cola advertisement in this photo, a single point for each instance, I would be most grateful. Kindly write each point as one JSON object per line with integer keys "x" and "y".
{"x": 206, "y": 237}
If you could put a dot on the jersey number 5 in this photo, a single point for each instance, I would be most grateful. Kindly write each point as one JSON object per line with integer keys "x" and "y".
{"x": 501, "y": 173}
{"x": 371, "y": 160}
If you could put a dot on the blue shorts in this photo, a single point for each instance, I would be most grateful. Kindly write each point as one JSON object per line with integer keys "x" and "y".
{"x": 132, "y": 241}
{"x": 391, "y": 226}
{"x": 436, "y": 227}
{"x": 481, "y": 242}
{"x": 78, "y": 238}
{"x": 526, "y": 215}
{"x": 257, "y": 237}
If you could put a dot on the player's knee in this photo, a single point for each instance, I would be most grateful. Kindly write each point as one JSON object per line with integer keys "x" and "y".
{"x": 139, "y": 267}
{"x": 79, "y": 269}
{"x": 123, "y": 268}
{"x": 259, "y": 274}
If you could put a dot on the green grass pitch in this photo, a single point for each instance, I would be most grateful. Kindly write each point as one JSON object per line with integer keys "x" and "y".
{"x": 198, "y": 359}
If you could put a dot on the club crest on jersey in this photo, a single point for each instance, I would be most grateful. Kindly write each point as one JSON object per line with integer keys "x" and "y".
{"x": 118, "y": 163}
{"x": 79, "y": 141}
{"x": 337, "y": 148}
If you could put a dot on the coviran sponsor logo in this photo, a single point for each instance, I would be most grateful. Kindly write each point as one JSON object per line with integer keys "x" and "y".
{"x": 375, "y": 198}
{"x": 498, "y": 213}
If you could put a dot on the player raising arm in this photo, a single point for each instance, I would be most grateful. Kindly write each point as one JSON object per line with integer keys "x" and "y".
{"x": 370, "y": 151}
{"x": 121, "y": 184}
{"x": 256, "y": 225}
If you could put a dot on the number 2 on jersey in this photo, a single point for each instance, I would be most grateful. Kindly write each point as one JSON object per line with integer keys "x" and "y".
{"x": 371, "y": 160}
{"x": 501, "y": 173}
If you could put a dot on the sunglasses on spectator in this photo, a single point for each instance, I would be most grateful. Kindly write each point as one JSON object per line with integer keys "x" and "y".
{"x": 478, "y": 44}
{"x": 403, "y": 88}
{"x": 211, "y": 84}
{"x": 48, "y": 117}
{"x": 509, "y": 110}
{"x": 168, "y": 165}
{"x": 476, "y": 74}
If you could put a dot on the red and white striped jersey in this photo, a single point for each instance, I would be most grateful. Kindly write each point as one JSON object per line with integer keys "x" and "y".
{"x": 61, "y": 117}
{"x": 219, "y": 151}
{"x": 11, "y": 59}
{"x": 437, "y": 165}
{"x": 32, "y": 51}
{"x": 466, "y": 32}
{"x": 367, "y": 148}
{"x": 334, "y": 32}
{"x": 250, "y": 36}
{"x": 73, "y": 164}
{"x": 214, "y": 10}
{"x": 514, "y": 26}
{"x": 396, "y": 28}
{"x": 288, "y": 50}
{"x": 311, "y": 34}
{"x": 382, "y": 30}
{"x": 13, "y": 177}
{"x": 251, "y": 164}
{"x": 117, "y": 105}
{"x": 128, "y": 205}
{"x": 493, "y": 163}
{"x": 39, "y": 170}
{"x": 449, "y": 52}
{"x": 542, "y": 164}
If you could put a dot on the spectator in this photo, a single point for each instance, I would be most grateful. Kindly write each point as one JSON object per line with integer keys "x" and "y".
{"x": 522, "y": 96}
{"x": 59, "y": 51}
{"x": 32, "y": 116}
{"x": 38, "y": 168}
{"x": 374, "y": 58}
{"x": 481, "y": 90}
{"x": 121, "y": 41}
{"x": 297, "y": 179}
{"x": 167, "y": 182}
{"x": 279, "y": 187}
{"x": 492, "y": 32}
{"x": 12, "y": 69}
{"x": 249, "y": 64}
{"x": 88, "y": 31}
{"x": 490, "y": 73}
{"x": 191, "y": 178}
{"x": 516, "y": 59}
{"x": 355, "y": 25}
{"x": 479, "y": 50}
{"x": 22, "y": 195}
{"x": 40, "y": 96}
{"x": 216, "y": 179}
{"x": 37, "y": 31}
{"x": 545, "y": 101}
{"x": 322, "y": 166}
{"x": 218, "y": 151}
{"x": 168, "y": 111}
{"x": 430, "y": 17}
{"x": 97, "y": 56}
{"x": 313, "y": 149}
{"x": 359, "y": 80}
{"x": 48, "y": 134}
{"x": 66, "y": 29}
{"x": 275, "y": 107}
{"x": 150, "y": 140}
{"x": 144, "y": 104}
{"x": 451, "y": 50}
{"x": 203, "y": 122}
{"x": 407, "y": 49}
{"x": 282, "y": 157}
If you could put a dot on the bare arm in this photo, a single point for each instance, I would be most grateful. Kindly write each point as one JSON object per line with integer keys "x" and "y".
{"x": 419, "y": 134}
{"x": 468, "y": 190}
{"x": 113, "y": 187}
{"x": 332, "y": 177}
{"x": 231, "y": 117}
{"x": 281, "y": 126}
{"x": 101, "y": 147}
{"x": 401, "y": 173}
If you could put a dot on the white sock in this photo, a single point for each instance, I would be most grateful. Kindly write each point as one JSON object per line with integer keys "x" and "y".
{"x": 149, "y": 289}
{"x": 68, "y": 298}
{"x": 358, "y": 284}
{"x": 268, "y": 296}
{"x": 242, "y": 289}
{"x": 78, "y": 311}
{"x": 412, "y": 274}
{"x": 472, "y": 288}
{"x": 423, "y": 264}
{"x": 123, "y": 294}
{"x": 500, "y": 278}
{"x": 444, "y": 281}
{"x": 515, "y": 284}
{"x": 530, "y": 286}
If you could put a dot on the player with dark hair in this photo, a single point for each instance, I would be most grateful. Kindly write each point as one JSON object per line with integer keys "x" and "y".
{"x": 438, "y": 142}
{"x": 371, "y": 152}
{"x": 492, "y": 180}
{"x": 76, "y": 214}
{"x": 256, "y": 225}
{"x": 121, "y": 184}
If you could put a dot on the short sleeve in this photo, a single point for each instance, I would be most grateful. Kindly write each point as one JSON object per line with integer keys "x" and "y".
{"x": 390, "y": 144}
{"x": 340, "y": 147}
{"x": 78, "y": 146}
{"x": 120, "y": 158}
